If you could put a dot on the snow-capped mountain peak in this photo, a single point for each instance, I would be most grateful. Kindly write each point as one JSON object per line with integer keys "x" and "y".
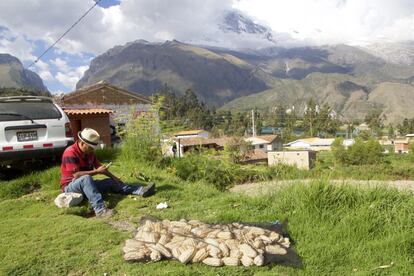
{"x": 236, "y": 22}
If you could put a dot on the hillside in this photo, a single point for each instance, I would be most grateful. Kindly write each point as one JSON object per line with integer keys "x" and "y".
{"x": 14, "y": 75}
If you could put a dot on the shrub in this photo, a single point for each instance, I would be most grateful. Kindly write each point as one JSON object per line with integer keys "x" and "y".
{"x": 360, "y": 153}
{"x": 196, "y": 166}
{"x": 237, "y": 149}
{"x": 142, "y": 136}
{"x": 223, "y": 174}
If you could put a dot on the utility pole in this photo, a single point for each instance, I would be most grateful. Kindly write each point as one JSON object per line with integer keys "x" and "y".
{"x": 253, "y": 126}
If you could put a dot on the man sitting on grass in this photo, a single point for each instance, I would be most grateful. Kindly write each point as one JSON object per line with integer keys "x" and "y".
{"x": 79, "y": 164}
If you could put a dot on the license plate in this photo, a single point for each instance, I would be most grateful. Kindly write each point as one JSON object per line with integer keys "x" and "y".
{"x": 26, "y": 136}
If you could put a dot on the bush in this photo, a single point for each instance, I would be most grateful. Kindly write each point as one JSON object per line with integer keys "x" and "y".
{"x": 223, "y": 174}
{"x": 195, "y": 167}
{"x": 142, "y": 137}
{"x": 237, "y": 149}
{"x": 360, "y": 153}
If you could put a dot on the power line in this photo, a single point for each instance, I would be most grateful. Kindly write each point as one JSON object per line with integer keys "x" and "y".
{"x": 67, "y": 31}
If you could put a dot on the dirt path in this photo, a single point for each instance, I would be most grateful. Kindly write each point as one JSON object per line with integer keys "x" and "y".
{"x": 254, "y": 189}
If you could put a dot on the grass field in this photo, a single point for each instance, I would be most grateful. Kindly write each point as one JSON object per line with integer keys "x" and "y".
{"x": 336, "y": 230}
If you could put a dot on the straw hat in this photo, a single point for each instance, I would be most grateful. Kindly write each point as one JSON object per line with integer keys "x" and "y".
{"x": 90, "y": 136}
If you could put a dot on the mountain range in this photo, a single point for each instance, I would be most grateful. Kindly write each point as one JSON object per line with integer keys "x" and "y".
{"x": 350, "y": 79}
{"x": 14, "y": 75}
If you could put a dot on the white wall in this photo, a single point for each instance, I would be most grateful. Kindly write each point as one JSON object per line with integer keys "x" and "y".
{"x": 300, "y": 159}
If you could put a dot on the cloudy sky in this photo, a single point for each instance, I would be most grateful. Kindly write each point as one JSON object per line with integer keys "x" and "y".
{"x": 28, "y": 27}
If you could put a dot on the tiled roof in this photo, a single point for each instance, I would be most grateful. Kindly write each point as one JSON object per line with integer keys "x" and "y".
{"x": 256, "y": 155}
{"x": 194, "y": 141}
{"x": 401, "y": 141}
{"x": 204, "y": 141}
{"x": 88, "y": 111}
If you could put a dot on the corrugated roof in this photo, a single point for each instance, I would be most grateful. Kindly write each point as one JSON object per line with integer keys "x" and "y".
{"x": 189, "y": 132}
{"x": 314, "y": 141}
{"x": 262, "y": 139}
{"x": 88, "y": 111}
{"x": 269, "y": 138}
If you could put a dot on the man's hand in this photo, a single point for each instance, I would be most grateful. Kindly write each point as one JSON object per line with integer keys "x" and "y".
{"x": 101, "y": 170}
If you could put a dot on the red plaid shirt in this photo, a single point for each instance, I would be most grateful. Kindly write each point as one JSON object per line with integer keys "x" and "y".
{"x": 74, "y": 160}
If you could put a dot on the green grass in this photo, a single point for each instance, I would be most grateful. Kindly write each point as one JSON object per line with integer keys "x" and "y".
{"x": 338, "y": 230}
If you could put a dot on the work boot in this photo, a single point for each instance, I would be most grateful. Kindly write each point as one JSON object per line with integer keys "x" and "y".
{"x": 148, "y": 190}
{"x": 105, "y": 213}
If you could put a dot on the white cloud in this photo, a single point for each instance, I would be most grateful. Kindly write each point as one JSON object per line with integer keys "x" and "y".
{"x": 336, "y": 21}
{"x": 71, "y": 76}
{"x": 61, "y": 65}
{"x": 16, "y": 46}
{"x": 43, "y": 69}
{"x": 316, "y": 21}
{"x": 308, "y": 21}
{"x": 45, "y": 75}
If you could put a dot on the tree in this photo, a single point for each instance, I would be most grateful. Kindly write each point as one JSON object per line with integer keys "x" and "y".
{"x": 310, "y": 117}
{"x": 237, "y": 149}
{"x": 375, "y": 121}
{"x": 406, "y": 127}
{"x": 279, "y": 116}
{"x": 325, "y": 121}
{"x": 258, "y": 121}
{"x": 287, "y": 132}
{"x": 365, "y": 135}
{"x": 339, "y": 152}
{"x": 391, "y": 132}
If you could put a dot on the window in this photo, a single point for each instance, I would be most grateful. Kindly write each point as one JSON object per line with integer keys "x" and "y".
{"x": 28, "y": 109}
{"x": 261, "y": 146}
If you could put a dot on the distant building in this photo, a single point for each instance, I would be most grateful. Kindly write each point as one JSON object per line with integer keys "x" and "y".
{"x": 401, "y": 146}
{"x": 265, "y": 142}
{"x": 271, "y": 130}
{"x": 184, "y": 145}
{"x": 386, "y": 142}
{"x": 363, "y": 127}
{"x": 348, "y": 142}
{"x": 315, "y": 144}
{"x": 302, "y": 159}
{"x": 410, "y": 137}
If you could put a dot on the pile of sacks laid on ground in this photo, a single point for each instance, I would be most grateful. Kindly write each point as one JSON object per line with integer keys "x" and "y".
{"x": 197, "y": 242}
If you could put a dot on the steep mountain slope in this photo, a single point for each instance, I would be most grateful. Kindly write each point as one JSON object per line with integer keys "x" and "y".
{"x": 13, "y": 74}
